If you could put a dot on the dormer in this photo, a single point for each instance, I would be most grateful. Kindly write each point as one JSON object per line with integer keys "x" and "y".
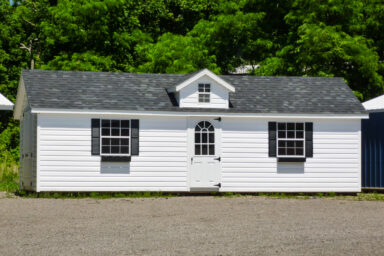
{"x": 203, "y": 89}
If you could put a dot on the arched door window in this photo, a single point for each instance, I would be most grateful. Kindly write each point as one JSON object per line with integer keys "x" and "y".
{"x": 204, "y": 139}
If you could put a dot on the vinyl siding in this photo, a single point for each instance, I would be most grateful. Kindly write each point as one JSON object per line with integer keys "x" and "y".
{"x": 335, "y": 165}
{"x": 66, "y": 163}
{"x": 189, "y": 96}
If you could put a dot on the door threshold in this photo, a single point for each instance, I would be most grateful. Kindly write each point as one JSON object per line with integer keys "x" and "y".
{"x": 204, "y": 189}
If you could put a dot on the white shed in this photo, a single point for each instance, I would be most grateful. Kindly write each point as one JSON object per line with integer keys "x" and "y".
{"x": 97, "y": 131}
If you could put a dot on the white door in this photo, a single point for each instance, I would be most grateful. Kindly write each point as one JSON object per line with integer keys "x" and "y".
{"x": 205, "y": 165}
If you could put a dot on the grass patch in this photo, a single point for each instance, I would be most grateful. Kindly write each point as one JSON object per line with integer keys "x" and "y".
{"x": 94, "y": 195}
{"x": 364, "y": 196}
{"x": 374, "y": 196}
{"x": 9, "y": 176}
{"x": 147, "y": 194}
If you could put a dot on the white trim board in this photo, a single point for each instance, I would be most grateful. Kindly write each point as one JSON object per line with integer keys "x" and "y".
{"x": 196, "y": 114}
{"x": 205, "y": 72}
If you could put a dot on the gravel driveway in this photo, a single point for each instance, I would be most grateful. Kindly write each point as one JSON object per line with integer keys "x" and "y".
{"x": 191, "y": 226}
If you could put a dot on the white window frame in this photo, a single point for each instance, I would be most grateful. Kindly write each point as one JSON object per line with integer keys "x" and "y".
{"x": 204, "y": 93}
{"x": 115, "y": 137}
{"x": 289, "y": 139}
{"x": 201, "y": 143}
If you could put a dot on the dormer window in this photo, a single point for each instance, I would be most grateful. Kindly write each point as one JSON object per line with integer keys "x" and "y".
{"x": 204, "y": 93}
{"x": 202, "y": 89}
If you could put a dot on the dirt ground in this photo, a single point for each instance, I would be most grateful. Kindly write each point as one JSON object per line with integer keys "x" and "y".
{"x": 191, "y": 226}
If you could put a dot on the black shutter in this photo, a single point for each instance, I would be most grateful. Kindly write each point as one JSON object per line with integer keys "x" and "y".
{"x": 309, "y": 139}
{"x": 95, "y": 137}
{"x": 272, "y": 139}
{"x": 135, "y": 137}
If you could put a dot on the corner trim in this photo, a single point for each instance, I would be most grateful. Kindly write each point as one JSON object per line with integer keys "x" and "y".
{"x": 38, "y": 153}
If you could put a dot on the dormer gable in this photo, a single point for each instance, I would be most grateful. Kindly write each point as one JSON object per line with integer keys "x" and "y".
{"x": 203, "y": 89}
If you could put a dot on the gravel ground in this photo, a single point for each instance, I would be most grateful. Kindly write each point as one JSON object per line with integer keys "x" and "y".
{"x": 191, "y": 226}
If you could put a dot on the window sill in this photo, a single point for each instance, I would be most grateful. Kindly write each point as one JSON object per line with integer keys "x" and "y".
{"x": 291, "y": 159}
{"x": 115, "y": 159}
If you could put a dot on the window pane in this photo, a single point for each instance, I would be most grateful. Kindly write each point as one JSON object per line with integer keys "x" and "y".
{"x": 299, "y": 135}
{"x": 204, "y": 137}
{"x": 204, "y": 149}
{"x": 124, "y": 150}
{"x": 211, "y": 128}
{"x": 197, "y": 137}
{"x": 106, "y": 142}
{"x": 201, "y": 87}
{"x": 116, "y": 123}
{"x": 299, "y": 144}
{"x": 282, "y": 126}
{"x": 282, "y": 135}
{"x": 211, "y": 150}
{"x": 125, "y": 123}
{"x": 290, "y": 144}
{"x": 105, "y": 123}
{"x": 115, "y": 142}
{"x": 124, "y": 142}
{"x": 211, "y": 138}
{"x": 115, "y": 149}
{"x": 282, "y": 151}
{"x": 282, "y": 143}
{"x": 290, "y": 151}
{"x": 197, "y": 150}
{"x": 300, "y": 126}
{"x": 105, "y": 150}
{"x": 115, "y": 132}
{"x": 124, "y": 132}
{"x": 290, "y": 126}
{"x": 207, "y": 87}
{"x": 299, "y": 151}
{"x": 203, "y": 97}
{"x": 291, "y": 134}
{"x": 106, "y": 132}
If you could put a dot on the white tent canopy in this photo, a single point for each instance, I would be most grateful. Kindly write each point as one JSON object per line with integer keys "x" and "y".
{"x": 5, "y": 104}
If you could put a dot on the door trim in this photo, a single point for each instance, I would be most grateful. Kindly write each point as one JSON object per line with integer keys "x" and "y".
{"x": 191, "y": 123}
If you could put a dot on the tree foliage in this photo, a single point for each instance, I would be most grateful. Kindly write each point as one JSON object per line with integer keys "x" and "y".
{"x": 292, "y": 37}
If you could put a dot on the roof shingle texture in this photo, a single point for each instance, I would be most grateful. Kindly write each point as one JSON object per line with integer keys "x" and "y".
{"x": 147, "y": 92}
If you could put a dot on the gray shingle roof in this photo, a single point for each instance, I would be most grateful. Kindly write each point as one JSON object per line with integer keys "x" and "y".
{"x": 129, "y": 91}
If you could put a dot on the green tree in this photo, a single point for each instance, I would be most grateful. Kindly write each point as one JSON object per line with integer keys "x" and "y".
{"x": 175, "y": 54}
{"x": 234, "y": 36}
{"x": 292, "y": 37}
{"x": 327, "y": 38}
